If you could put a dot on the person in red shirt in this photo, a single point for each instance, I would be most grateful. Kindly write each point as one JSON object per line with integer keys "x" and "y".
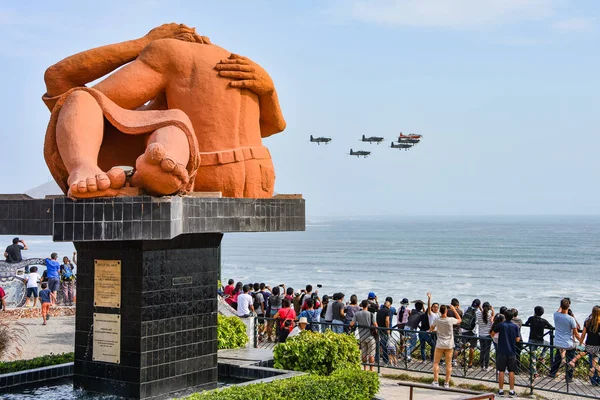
{"x": 285, "y": 316}
{"x": 228, "y": 291}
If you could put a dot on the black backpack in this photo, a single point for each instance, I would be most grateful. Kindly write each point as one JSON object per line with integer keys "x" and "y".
{"x": 255, "y": 302}
{"x": 469, "y": 319}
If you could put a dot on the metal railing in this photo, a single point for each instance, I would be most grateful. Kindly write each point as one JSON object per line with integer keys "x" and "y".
{"x": 540, "y": 366}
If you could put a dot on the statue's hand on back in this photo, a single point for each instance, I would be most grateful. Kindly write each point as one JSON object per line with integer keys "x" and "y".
{"x": 247, "y": 74}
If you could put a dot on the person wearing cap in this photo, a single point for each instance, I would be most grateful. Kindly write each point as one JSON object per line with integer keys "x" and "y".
{"x": 299, "y": 328}
{"x": 13, "y": 252}
{"x": 403, "y": 313}
{"x": 373, "y": 303}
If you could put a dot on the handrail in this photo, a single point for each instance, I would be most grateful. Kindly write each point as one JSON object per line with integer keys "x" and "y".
{"x": 478, "y": 395}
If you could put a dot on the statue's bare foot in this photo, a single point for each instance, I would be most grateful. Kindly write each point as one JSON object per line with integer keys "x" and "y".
{"x": 90, "y": 181}
{"x": 158, "y": 173}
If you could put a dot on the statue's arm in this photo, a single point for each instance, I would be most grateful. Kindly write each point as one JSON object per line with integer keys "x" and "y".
{"x": 87, "y": 66}
{"x": 271, "y": 117}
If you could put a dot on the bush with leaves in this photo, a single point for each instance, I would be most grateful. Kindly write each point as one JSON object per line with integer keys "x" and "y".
{"x": 319, "y": 353}
{"x": 38, "y": 362}
{"x": 231, "y": 333}
{"x": 340, "y": 385}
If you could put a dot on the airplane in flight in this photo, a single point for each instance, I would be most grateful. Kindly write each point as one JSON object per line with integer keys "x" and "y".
{"x": 320, "y": 140}
{"x": 401, "y": 145}
{"x": 372, "y": 139}
{"x": 359, "y": 153}
{"x": 412, "y": 138}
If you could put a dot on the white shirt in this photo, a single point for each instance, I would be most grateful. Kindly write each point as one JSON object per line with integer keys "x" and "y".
{"x": 295, "y": 332}
{"x": 244, "y": 300}
{"x": 32, "y": 280}
{"x": 433, "y": 317}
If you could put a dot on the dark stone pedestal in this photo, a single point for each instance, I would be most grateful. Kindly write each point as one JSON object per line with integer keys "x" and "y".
{"x": 168, "y": 316}
{"x": 168, "y": 336}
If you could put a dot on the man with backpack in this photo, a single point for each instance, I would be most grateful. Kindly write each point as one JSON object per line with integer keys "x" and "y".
{"x": 67, "y": 281}
{"x": 312, "y": 315}
{"x": 258, "y": 302}
{"x": 467, "y": 326}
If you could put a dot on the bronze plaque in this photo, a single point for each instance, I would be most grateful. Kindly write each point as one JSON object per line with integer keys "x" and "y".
{"x": 106, "y": 346}
{"x": 182, "y": 280}
{"x": 107, "y": 283}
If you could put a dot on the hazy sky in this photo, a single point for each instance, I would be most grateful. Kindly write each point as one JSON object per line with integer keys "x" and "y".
{"x": 505, "y": 92}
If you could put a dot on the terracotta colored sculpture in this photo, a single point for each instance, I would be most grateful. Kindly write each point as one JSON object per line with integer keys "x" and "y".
{"x": 188, "y": 114}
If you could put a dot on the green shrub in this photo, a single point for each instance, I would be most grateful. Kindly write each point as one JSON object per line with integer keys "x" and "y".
{"x": 231, "y": 333}
{"x": 340, "y": 385}
{"x": 319, "y": 353}
{"x": 38, "y": 362}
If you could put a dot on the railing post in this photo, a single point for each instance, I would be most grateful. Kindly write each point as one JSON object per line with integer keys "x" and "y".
{"x": 531, "y": 368}
{"x": 465, "y": 360}
{"x": 405, "y": 344}
{"x": 378, "y": 350}
{"x": 552, "y": 350}
{"x": 255, "y": 333}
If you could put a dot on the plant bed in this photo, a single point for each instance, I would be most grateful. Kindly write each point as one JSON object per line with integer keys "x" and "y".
{"x": 38, "y": 362}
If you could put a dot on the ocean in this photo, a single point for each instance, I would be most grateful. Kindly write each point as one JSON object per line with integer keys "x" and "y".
{"x": 518, "y": 262}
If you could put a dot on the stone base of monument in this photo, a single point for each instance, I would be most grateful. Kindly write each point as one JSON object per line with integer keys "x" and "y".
{"x": 163, "y": 339}
{"x": 146, "y": 283}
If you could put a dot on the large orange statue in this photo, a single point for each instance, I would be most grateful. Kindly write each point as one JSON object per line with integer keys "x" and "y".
{"x": 187, "y": 114}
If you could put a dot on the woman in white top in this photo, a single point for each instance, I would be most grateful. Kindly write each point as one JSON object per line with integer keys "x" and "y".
{"x": 485, "y": 318}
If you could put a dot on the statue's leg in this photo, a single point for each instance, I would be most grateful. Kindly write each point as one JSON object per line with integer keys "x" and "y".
{"x": 161, "y": 170}
{"x": 79, "y": 133}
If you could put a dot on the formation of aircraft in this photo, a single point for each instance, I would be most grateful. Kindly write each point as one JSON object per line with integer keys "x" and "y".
{"x": 372, "y": 139}
{"x": 320, "y": 140}
{"x": 359, "y": 153}
{"x": 405, "y": 142}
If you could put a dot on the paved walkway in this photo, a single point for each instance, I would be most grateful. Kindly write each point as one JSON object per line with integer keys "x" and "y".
{"x": 58, "y": 336}
{"x": 389, "y": 390}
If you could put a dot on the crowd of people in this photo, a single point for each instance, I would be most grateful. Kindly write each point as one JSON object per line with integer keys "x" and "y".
{"x": 55, "y": 277}
{"x": 445, "y": 328}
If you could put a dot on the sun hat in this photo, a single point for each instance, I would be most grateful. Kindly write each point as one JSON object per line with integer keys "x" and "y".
{"x": 303, "y": 320}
